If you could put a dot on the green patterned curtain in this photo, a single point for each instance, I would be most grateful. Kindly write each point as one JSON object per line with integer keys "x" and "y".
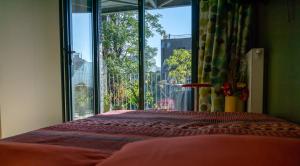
{"x": 224, "y": 35}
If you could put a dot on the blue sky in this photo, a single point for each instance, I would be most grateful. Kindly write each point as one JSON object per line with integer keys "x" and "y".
{"x": 175, "y": 21}
{"x": 82, "y": 34}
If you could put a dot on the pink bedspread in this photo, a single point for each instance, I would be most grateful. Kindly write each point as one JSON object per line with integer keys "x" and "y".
{"x": 109, "y": 132}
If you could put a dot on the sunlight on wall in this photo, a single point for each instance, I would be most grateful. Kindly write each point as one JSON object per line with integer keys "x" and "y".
{"x": 30, "y": 91}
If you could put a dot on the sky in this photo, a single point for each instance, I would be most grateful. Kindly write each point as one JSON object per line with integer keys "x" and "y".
{"x": 82, "y": 35}
{"x": 175, "y": 21}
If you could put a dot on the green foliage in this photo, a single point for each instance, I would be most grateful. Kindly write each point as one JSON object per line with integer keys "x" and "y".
{"x": 83, "y": 98}
{"x": 133, "y": 93}
{"x": 180, "y": 65}
{"x": 120, "y": 51}
{"x": 107, "y": 102}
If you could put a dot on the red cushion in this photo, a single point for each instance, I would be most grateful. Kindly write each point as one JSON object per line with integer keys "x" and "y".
{"x": 218, "y": 150}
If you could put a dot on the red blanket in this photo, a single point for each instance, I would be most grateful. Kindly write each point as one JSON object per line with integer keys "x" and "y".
{"x": 16, "y": 154}
{"x": 212, "y": 150}
{"x": 109, "y": 132}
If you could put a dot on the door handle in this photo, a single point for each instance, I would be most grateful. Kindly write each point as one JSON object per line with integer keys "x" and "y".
{"x": 69, "y": 52}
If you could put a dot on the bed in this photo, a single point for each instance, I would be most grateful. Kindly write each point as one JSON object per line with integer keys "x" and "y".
{"x": 108, "y": 133}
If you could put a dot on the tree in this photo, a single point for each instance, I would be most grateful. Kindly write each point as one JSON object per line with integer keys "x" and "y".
{"x": 120, "y": 52}
{"x": 179, "y": 64}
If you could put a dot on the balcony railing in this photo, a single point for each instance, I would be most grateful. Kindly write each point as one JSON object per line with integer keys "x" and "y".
{"x": 122, "y": 93}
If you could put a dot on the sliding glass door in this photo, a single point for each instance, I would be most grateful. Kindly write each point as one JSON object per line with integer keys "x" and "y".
{"x": 82, "y": 78}
{"x": 78, "y": 58}
{"x": 126, "y": 55}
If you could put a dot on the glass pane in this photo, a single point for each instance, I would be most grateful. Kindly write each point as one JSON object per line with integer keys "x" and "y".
{"x": 168, "y": 55}
{"x": 82, "y": 59}
{"x": 119, "y": 55}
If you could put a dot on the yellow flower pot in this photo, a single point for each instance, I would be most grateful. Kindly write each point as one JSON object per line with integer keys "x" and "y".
{"x": 234, "y": 104}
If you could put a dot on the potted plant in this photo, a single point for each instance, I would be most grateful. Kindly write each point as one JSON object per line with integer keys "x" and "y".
{"x": 236, "y": 96}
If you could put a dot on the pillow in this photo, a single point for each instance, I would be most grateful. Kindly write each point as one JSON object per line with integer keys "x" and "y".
{"x": 217, "y": 150}
{"x": 19, "y": 154}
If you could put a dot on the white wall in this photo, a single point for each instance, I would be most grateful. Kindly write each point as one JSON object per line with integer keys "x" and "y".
{"x": 30, "y": 87}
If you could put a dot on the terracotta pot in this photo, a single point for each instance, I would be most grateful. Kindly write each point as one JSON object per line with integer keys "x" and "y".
{"x": 234, "y": 104}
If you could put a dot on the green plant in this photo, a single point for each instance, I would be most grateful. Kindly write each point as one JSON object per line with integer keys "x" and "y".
{"x": 180, "y": 65}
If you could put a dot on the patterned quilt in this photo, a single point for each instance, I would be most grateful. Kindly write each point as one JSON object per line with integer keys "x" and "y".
{"x": 109, "y": 132}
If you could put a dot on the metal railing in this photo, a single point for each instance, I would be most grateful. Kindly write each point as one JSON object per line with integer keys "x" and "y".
{"x": 122, "y": 93}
